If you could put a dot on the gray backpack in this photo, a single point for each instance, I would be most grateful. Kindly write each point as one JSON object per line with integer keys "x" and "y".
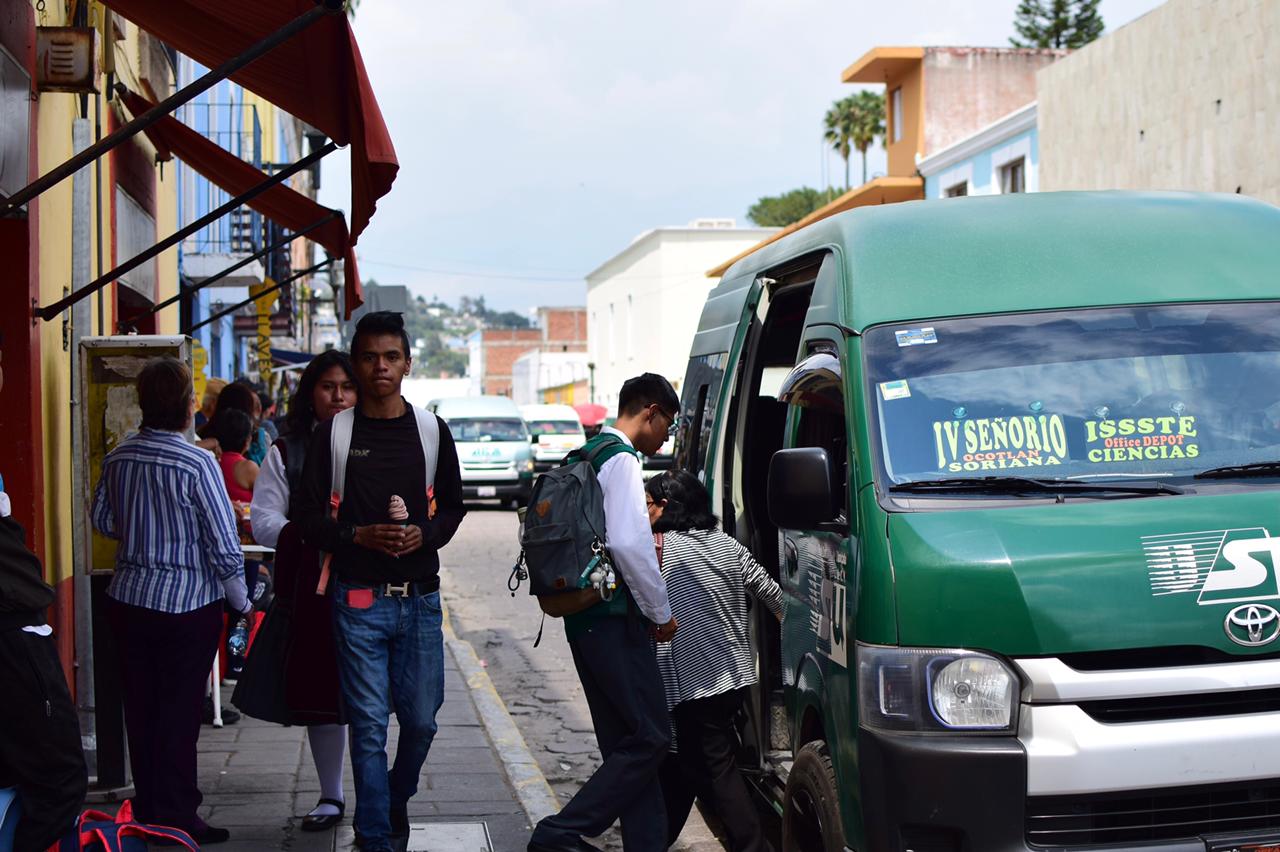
{"x": 563, "y": 553}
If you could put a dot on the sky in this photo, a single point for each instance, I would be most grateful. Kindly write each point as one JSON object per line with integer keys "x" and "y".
{"x": 537, "y": 139}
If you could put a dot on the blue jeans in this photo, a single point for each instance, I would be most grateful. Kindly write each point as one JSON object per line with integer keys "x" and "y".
{"x": 390, "y": 655}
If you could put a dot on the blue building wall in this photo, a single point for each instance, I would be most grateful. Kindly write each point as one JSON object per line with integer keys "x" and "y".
{"x": 980, "y": 171}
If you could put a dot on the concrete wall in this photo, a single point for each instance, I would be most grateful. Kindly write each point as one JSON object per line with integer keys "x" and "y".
{"x": 966, "y": 88}
{"x": 1185, "y": 97}
{"x": 643, "y": 304}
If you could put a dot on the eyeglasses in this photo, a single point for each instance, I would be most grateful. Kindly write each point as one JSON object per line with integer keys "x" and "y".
{"x": 674, "y": 425}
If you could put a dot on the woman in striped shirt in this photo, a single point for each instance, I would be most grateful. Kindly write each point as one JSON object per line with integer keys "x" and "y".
{"x": 709, "y": 666}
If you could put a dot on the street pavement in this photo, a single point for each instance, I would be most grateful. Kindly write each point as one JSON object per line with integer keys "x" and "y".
{"x": 258, "y": 782}
{"x": 538, "y": 685}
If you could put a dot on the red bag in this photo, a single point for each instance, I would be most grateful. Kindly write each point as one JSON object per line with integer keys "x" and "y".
{"x": 102, "y": 832}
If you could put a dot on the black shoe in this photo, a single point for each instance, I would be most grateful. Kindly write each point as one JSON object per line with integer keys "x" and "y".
{"x": 209, "y": 835}
{"x": 324, "y": 822}
{"x": 229, "y": 715}
{"x": 579, "y": 845}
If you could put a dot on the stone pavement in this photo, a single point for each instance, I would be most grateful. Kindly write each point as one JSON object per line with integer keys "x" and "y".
{"x": 258, "y": 782}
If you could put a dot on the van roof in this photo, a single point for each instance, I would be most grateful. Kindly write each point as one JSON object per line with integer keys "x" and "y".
{"x": 1039, "y": 251}
{"x": 476, "y": 406}
{"x": 549, "y": 412}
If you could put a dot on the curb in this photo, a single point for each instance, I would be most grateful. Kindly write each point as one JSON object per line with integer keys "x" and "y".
{"x": 535, "y": 794}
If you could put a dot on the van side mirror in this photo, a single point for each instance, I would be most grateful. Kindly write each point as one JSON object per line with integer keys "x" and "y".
{"x": 801, "y": 493}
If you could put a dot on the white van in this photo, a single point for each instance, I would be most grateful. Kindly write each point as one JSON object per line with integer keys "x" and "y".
{"x": 494, "y": 451}
{"x": 555, "y": 431}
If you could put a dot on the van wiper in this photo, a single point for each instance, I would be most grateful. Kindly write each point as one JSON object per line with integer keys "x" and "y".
{"x": 1265, "y": 468}
{"x": 1031, "y": 485}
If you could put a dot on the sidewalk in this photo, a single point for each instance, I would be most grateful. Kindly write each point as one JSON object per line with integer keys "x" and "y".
{"x": 258, "y": 782}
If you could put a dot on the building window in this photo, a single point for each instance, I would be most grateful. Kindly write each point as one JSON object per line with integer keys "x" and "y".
{"x": 613, "y": 335}
{"x": 896, "y": 114}
{"x": 135, "y": 233}
{"x": 631, "y": 313}
{"x": 957, "y": 191}
{"x": 1013, "y": 176}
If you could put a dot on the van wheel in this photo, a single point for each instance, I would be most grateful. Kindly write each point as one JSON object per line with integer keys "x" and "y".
{"x": 810, "y": 805}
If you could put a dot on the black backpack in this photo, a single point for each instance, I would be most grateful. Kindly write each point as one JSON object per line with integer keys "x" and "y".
{"x": 562, "y": 542}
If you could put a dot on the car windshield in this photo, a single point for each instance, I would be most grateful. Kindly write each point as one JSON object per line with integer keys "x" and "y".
{"x": 1098, "y": 394}
{"x": 554, "y": 427}
{"x": 487, "y": 429}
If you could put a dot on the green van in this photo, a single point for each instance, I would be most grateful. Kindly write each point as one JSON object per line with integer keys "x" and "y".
{"x": 1014, "y": 461}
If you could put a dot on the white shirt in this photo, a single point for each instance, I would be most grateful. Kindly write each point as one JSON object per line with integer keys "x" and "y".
{"x": 628, "y": 535}
{"x": 268, "y": 513}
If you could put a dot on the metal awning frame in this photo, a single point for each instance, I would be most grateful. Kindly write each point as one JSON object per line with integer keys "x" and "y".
{"x": 140, "y": 123}
{"x": 185, "y": 290}
{"x": 249, "y": 301}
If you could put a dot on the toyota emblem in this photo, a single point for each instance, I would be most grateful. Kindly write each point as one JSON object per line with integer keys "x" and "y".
{"x": 1252, "y": 625}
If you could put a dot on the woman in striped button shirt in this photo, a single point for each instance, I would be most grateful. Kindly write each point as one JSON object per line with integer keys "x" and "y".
{"x": 709, "y": 666}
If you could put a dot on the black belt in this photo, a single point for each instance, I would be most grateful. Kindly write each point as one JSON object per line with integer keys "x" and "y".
{"x": 407, "y": 589}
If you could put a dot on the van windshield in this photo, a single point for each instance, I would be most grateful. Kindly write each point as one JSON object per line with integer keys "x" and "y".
{"x": 554, "y": 427}
{"x": 479, "y": 429}
{"x": 1097, "y": 394}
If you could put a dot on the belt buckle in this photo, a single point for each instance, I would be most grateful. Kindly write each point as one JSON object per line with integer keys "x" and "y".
{"x": 399, "y": 590}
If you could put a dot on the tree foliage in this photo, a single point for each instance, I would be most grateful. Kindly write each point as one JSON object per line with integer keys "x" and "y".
{"x": 1056, "y": 23}
{"x": 853, "y": 124}
{"x": 781, "y": 210}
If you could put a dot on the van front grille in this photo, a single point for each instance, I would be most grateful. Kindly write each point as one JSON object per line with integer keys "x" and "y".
{"x": 1175, "y": 813}
{"x": 1196, "y": 706}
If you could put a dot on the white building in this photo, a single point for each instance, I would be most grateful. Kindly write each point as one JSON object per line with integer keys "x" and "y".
{"x": 535, "y": 375}
{"x": 643, "y": 303}
{"x": 1001, "y": 158}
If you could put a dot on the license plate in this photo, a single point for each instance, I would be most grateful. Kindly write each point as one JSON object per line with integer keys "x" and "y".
{"x": 487, "y": 491}
{"x": 1257, "y": 843}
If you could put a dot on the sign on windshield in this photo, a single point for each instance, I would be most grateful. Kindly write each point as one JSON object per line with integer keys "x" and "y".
{"x": 488, "y": 429}
{"x": 1109, "y": 393}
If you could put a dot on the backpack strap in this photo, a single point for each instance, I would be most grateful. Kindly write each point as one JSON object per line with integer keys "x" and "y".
{"x": 339, "y": 447}
{"x": 429, "y": 435}
{"x": 601, "y": 448}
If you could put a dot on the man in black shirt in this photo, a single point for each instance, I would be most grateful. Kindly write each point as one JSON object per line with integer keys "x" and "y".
{"x": 401, "y": 502}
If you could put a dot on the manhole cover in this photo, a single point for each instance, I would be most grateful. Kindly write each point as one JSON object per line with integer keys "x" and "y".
{"x": 435, "y": 837}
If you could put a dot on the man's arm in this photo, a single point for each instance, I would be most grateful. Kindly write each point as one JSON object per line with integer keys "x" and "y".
{"x": 104, "y": 519}
{"x": 217, "y": 526}
{"x": 448, "y": 493}
{"x": 630, "y": 539}
{"x": 22, "y": 586}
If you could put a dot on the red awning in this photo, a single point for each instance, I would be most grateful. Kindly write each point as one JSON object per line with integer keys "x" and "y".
{"x": 282, "y": 205}
{"x": 317, "y": 75}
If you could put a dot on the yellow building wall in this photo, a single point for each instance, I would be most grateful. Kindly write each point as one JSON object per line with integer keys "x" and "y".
{"x": 902, "y": 154}
{"x": 57, "y": 112}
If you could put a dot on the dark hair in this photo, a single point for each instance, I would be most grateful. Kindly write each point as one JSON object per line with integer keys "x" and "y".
{"x": 380, "y": 322}
{"x": 302, "y": 407}
{"x": 232, "y": 428}
{"x": 237, "y": 396}
{"x": 688, "y": 503}
{"x": 645, "y": 390}
{"x": 164, "y": 394}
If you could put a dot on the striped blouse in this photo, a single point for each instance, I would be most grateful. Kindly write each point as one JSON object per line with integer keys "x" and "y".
{"x": 709, "y": 575}
{"x": 164, "y": 500}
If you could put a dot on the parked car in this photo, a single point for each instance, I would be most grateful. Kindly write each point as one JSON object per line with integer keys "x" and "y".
{"x": 554, "y": 430}
{"x": 493, "y": 447}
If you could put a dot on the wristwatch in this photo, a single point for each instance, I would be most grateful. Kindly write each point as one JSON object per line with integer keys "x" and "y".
{"x": 347, "y": 534}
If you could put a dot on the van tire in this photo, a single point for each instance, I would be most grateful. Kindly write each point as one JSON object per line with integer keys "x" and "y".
{"x": 811, "y": 803}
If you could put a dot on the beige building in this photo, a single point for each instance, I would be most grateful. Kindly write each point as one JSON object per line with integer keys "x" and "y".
{"x": 1185, "y": 97}
{"x": 644, "y": 302}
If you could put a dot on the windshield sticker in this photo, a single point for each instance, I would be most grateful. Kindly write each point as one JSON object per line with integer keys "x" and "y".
{"x": 915, "y": 336}
{"x": 895, "y": 390}
{"x": 1133, "y": 439}
{"x": 999, "y": 443}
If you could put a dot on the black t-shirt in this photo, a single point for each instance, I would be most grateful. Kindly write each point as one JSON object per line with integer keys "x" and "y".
{"x": 385, "y": 458}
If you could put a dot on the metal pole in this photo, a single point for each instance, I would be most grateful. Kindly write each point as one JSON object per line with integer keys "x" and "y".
{"x": 51, "y": 311}
{"x": 185, "y": 290}
{"x": 166, "y": 106}
{"x": 249, "y": 301}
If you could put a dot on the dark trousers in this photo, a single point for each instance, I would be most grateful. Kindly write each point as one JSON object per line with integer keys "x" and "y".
{"x": 40, "y": 752}
{"x": 165, "y": 661}
{"x": 619, "y": 673}
{"x": 704, "y": 768}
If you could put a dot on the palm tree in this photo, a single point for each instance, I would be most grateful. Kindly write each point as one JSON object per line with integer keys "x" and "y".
{"x": 854, "y": 123}
{"x": 867, "y": 120}
{"x": 836, "y": 127}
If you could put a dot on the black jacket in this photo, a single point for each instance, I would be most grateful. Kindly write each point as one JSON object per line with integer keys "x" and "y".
{"x": 24, "y": 596}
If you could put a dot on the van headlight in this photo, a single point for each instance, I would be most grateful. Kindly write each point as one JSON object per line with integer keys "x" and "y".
{"x": 526, "y": 466}
{"x": 934, "y": 689}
